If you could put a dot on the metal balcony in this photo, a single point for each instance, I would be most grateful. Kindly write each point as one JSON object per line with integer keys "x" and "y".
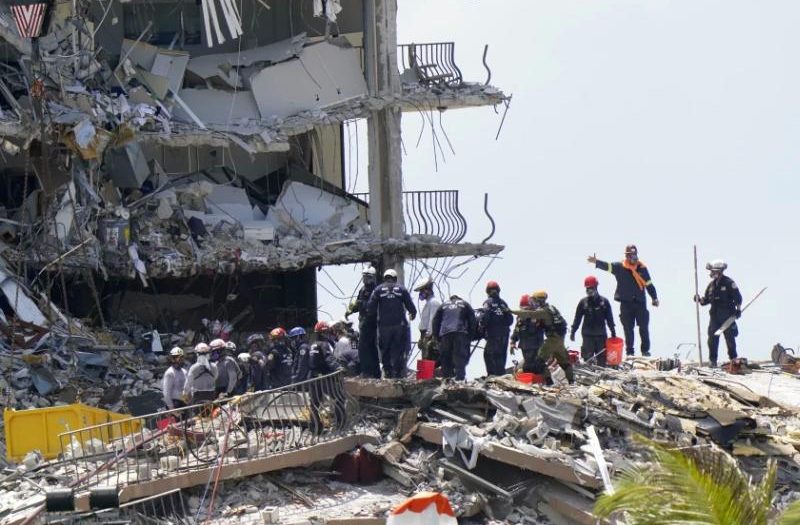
{"x": 433, "y": 213}
{"x": 432, "y": 64}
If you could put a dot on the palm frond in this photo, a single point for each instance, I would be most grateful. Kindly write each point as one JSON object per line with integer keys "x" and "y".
{"x": 703, "y": 486}
{"x": 791, "y": 516}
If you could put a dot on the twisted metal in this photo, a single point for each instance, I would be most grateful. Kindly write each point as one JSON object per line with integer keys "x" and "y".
{"x": 433, "y": 213}
{"x": 252, "y": 426}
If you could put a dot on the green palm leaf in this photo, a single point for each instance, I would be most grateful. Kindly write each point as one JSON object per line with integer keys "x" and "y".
{"x": 703, "y": 486}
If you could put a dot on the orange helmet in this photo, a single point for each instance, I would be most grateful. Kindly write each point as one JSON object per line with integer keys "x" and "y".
{"x": 525, "y": 301}
{"x": 277, "y": 333}
{"x": 321, "y": 326}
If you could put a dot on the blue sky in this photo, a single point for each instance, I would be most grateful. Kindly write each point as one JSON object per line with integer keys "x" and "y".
{"x": 660, "y": 123}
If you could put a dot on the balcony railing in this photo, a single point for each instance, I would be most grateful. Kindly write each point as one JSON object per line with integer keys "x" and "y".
{"x": 433, "y": 213}
{"x": 433, "y": 63}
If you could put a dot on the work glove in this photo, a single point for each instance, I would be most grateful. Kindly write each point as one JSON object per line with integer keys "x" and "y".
{"x": 572, "y": 336}
{"x": 697, "y": 298}
{"x": 613, "y": 333}
{"x": 511, "y": 348}
{"x": 423, "y": 333}
{"x": 738, "y": 312}
{"x": 412, "y": 316}
{"x": 656, "y": 302}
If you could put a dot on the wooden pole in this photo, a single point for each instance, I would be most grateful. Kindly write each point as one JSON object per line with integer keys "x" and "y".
{"x": 697, "y": 308}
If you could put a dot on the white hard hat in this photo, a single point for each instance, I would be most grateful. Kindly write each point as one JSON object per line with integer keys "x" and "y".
{"x": 230, "y": 345}
{"x": 717, "y": 264}
{"x": 368, "y": 271}
{"x": 243, "y": 357}
{"x": 390, "y": 273}
{"x": 202, "y": 348}
{"x": 176, "y": 352}
{"x": 216, "y": 344}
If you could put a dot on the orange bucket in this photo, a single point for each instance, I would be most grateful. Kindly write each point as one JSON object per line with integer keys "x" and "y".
{"x": 614, "y": 347}
{"x": 425, "y": 368}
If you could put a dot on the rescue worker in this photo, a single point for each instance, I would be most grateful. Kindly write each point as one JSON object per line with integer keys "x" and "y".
{"x": 633, "y": 278}
{"x": 228, "y": 371}
{"x": 594, "y": 311}
{"x": 367, "y": 327}
{"x": 297, "y": 336}
{"x": 427, "y": 339}
{"x": 452, "y": 326}
{"x": 497, "y": 321}
{"x": 279, "y": 361}
{"x": 388, "y": 305}
{"x": 201, "y": 377}
{"x": 246, "y": 379}
{"x": 725, "y": 299}
{"x": 555, "y": 328}
{"x": 256, "y": 346}
{"x": 316, "y": 362}
{"x": 174, "y": 380}
{"x": 344, "y": 349}
{"x": 528, "y": 336}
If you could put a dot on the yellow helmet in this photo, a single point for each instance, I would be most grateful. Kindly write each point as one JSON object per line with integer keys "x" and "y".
{"x": 539, "y": 294}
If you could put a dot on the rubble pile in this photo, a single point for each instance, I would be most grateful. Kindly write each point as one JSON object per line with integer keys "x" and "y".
{"x": 500, "y": 450}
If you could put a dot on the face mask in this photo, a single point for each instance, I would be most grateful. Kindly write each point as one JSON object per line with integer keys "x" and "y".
{"x": 215, "y": 356}
{"x": 202, "y": 360}
{"x": 423, "y": 296}
{"x": 591, "y": 292}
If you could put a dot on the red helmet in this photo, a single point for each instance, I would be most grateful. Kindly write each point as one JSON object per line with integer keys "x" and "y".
{"x": 321, "y": 326}
{"x": 525, "y": 301}
{"x": 590, "y": 282}
{"x": 492, "y": 285}
{"x": 277, "y": 333}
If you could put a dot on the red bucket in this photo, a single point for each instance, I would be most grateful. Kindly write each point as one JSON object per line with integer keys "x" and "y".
{"x": 530, "y": 378}
{"x": 574, "y": 356}
{"x": 425, "y": 368}
{"x": 614, "y": 347}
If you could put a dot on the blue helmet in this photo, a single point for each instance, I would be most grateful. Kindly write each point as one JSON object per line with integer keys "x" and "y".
{"x": 297, "y": 331}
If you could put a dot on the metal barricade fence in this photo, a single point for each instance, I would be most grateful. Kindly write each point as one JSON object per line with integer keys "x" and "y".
{"x": 251, "y": 426}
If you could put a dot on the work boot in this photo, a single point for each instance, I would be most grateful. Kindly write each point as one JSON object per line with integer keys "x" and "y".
{"x": 713, "y": 364}
{"x": 645, "y": 353}
{"x": 629, "y": 353}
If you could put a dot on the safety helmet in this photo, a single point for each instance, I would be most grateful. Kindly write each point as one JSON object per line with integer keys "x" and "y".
{"x": 230, "y": 346}
{"x": 217, "y": 344}
{"x": 390, "y": 273}
{"x": 277, "y": 333}
{"x": 297, "y": 331}
{"x": 254, "y": 338}
{"x": 202, "y": 348}
{"x": 525, "y": 301}
{"x": 590, "y": 282}
{"x": 176, "y": 352}
{"x": 368, "y": 271}
{"x": 539, "y": 295}
{"x": 492, "y": 285}
{"x": 631, "y": 249}
{"x": 244, "y": 357}
{"x": 427, "y": 284}
{"x": 717, "y": 265}
{"x": 321, "y": 326}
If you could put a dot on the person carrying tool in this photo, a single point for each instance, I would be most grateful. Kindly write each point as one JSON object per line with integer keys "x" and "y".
{"x": 555, "y": 328}
{"x": 594, "y": 311}
{"x": 452, "y": 326}
{"x": 633, "y": 278}
{"x": 427, "y": 339}
{"x": 497, "y": 321}
{"x": 174, "y": 380}
{"x": 528, "y": 336}
{"x": 369, "y": 361}
{"x": 725, "y": 299}
{"x": 388, "y": 305}
{"x": 201, "y": 378}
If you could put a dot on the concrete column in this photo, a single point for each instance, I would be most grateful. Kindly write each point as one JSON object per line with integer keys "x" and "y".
{"x": 383, "y": 127}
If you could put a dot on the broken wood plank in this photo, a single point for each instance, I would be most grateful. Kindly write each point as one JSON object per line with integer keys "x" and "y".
{"x": 374, "y": 388}
{"x": 511, "y": 456}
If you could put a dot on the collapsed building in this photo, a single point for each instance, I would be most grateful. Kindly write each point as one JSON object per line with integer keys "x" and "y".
{"x": 169, "y": 162}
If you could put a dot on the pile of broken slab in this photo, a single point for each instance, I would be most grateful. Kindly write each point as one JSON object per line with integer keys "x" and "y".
{"x": 500, "y": 450}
